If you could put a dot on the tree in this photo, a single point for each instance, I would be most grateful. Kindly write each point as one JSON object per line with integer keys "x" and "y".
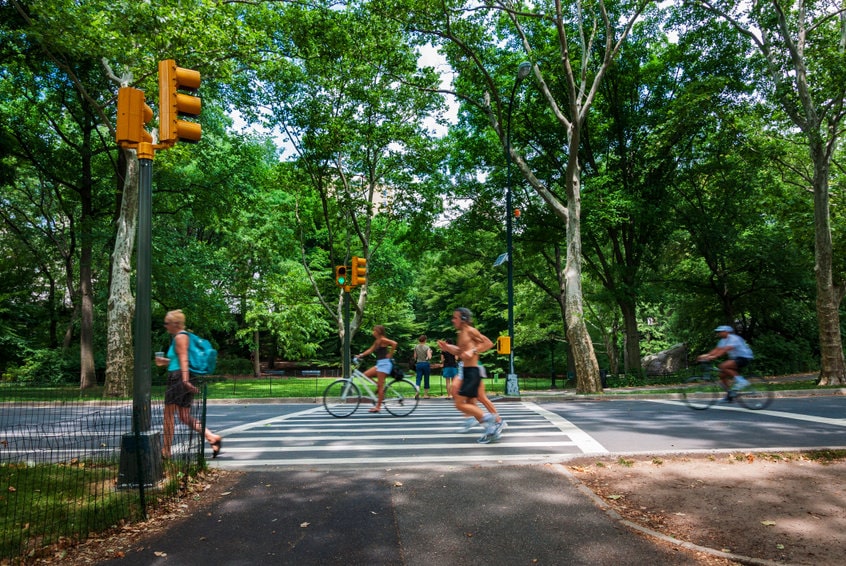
{"x": 567, "y": 70}
{"x": 341, "y": 92}
{"x": 803, "y": 45}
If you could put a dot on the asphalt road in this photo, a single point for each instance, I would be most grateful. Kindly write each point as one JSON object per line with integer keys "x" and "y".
{"x": 293, "y": 435}
{"x": 282, "y": 435}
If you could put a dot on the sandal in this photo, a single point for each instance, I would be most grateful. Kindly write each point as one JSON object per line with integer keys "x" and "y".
{"x": 375, "y": 410}
{"x": 216, "y": 447}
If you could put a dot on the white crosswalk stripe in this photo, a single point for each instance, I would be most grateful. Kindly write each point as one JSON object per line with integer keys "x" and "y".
{"x": 429, "y": 435}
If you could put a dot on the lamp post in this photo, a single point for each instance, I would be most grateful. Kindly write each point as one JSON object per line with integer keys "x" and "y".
{"x": 511, "y": 385}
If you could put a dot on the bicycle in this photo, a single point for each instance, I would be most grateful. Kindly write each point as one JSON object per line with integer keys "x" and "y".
{"x": 702, "y": 391}
{"x": 342, "y": 397}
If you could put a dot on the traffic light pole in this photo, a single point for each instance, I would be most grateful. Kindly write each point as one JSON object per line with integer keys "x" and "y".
{"x": 140, "y": 457}
{"x": 143, "y": 316}
{"x": 346, "y": 353}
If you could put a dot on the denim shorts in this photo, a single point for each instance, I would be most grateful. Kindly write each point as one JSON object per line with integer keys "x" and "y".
{"x": 385, "y": 365}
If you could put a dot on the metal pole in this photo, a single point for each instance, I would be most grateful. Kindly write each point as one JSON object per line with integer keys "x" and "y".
{"x": 512, "y": 386}
{"x": 346, "y": 353}
{"x": 143, "y": 315}
{"x": 140, "y": 453}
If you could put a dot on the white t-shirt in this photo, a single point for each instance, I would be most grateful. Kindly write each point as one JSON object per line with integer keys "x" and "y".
{"x": 739, "y": 347}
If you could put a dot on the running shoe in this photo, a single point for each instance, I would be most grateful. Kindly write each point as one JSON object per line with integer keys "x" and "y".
{"x": 500, "y": 426}
{"x": 469, "y": 424}
{"x": 740, "y": 383}
{"x": 485, "y": 438}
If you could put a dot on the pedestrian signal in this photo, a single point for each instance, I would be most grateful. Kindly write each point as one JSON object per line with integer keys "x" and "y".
{"x": 132, "y": 115}
{"x": 503, "y": 345}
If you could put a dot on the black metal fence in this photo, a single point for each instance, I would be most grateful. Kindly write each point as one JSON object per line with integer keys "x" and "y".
{"x": 71, "y": 466}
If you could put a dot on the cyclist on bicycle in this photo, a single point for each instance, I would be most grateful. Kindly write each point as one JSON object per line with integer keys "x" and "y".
{"x": 738, "y": 354}
{"x": 384, "y": 349}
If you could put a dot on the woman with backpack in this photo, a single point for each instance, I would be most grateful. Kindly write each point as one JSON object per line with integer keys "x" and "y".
{"x": 180, "y": 390}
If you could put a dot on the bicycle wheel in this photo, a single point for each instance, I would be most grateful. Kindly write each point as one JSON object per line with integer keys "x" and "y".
{"x": 400, "y": 397}
{"x": 700, "y": 392}
{"x": 758, "y": 395}
{"x": 341, "y": 398}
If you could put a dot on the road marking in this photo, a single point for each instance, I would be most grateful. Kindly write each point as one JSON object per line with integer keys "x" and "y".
{"x": 586, "y": 442}
{"x": 778, "y": 414}
{"x": 429, "y": 435}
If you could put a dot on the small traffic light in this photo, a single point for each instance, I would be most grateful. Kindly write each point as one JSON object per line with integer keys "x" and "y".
{"x": 173, "y": 104}
{"x": 359, "y": 271}
{"x": 132, "y": 117}
{"x": 341, "y": 279}
{"x": 503, "y": 345}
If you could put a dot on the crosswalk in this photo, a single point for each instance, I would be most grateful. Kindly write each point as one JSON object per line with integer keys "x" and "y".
{"x": 430, "y": 435}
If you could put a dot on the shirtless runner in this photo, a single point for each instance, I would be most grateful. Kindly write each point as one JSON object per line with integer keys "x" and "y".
{"x": 469, "y": 345}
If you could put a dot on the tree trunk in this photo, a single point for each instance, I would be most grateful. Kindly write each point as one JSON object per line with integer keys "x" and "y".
{"x": 833, "y": 369}
{"x": 584, "y": 357}
{"x": 257, "y": 356}
{"x": 87, "y": 376}
{"x": 121, "y": 307}
{"x": 631, "y": 350}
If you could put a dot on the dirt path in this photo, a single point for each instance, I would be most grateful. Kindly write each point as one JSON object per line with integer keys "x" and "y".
{"x": 787, "y": 508}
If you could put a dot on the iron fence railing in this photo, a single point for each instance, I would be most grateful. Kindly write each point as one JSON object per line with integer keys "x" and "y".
{"x": 70, "y": 466}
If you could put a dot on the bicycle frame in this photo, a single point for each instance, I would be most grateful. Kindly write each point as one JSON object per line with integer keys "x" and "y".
{"x": 363, "y": 382}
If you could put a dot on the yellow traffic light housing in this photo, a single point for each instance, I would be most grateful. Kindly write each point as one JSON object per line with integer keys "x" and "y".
{"x": 173, "y": 104}
{"x": 503, "y": 345}
{"x": 132, "y": 117}
{"x": 359, "y": 271}
{"x": 341, "y": 278}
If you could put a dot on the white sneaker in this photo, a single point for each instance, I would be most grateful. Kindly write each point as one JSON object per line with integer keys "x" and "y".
{"x": 469, "y": 424}
{"x": 740, "y": 383}
{"x": 500, "y": 426}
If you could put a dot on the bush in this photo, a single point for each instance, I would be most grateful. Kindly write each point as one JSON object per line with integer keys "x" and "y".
{"x": 776, "y": 354}
{"x": 49, "y": 367}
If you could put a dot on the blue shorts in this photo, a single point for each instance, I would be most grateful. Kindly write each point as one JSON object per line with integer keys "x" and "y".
{"x": 450, "y": 372}
{"x": 385, "y": 365}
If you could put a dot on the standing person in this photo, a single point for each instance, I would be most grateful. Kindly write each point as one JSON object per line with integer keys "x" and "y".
{"x": 423, "y": 357}
{"x": 450, "y": 369}
{"x": 469, "y": 345}
{"x": 180, "y": 389}
{"x": 738, "y": 354}
{"x": 384, "y": 349}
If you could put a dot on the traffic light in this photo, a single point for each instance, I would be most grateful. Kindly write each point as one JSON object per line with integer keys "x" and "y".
{"x": 359, "y": 271}
{"x": 132, "y": 117}
{"x": 173, "y": 104}
{"x": 341, "y": 279}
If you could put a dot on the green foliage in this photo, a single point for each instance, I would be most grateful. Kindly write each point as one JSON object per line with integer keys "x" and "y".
{"x": 43, "y": 367}
{"x": 695, "y": 203}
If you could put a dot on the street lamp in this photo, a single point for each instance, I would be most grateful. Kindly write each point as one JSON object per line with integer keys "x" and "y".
{"x": 511, "y": 385}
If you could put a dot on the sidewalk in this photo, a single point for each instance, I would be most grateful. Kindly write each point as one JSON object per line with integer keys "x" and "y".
{"x": 426, "y": 517}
